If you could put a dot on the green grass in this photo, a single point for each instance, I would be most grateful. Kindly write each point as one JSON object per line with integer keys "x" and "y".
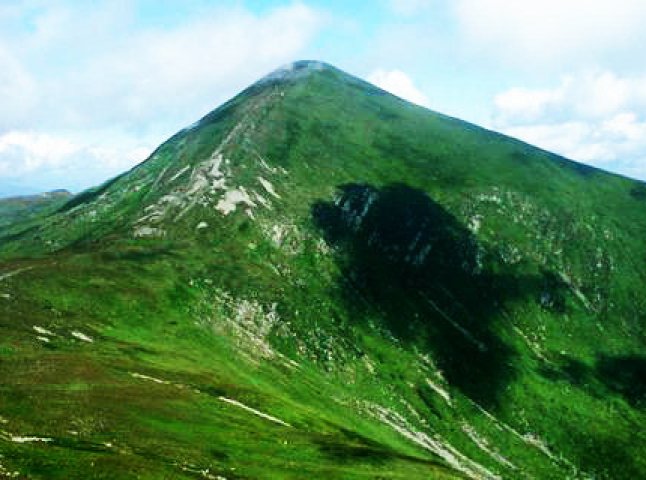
{"x": 325, "y": 312}
{"x": 20, "y": 209}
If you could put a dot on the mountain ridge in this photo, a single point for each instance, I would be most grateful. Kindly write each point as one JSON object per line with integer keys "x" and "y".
{"x": 320, "y": 277}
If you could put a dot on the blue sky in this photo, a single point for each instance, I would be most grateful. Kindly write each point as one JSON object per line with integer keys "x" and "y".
{"x": 89, "y": 88}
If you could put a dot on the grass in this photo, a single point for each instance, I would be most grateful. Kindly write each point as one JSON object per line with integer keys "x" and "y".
{"x": 324, "y": 312}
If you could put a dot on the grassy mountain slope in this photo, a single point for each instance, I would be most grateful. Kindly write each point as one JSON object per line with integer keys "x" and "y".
{"x": 320, "y": 280}
{"x": 23, "y": 208}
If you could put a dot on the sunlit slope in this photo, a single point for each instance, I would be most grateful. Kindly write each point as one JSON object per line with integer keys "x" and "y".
{"x": 320, "y": 280}
{"x": 23, "y": 208}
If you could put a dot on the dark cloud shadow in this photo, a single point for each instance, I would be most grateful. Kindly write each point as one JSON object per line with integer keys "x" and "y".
{"x": 411, "y": 265}
{"x": 622, "y": 375}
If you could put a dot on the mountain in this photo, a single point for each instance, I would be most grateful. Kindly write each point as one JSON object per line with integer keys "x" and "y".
{"x": 321, "y": 280}
{"x": 22, "y": 208}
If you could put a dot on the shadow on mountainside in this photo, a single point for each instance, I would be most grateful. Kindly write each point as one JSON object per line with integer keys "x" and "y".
{"x": 411, "y": 264}
{"x": 620, "y": 375}
{"x": 625, "y": 375}
{"x": 616, "y": 452}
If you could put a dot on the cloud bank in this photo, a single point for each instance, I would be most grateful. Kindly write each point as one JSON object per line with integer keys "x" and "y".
{"x": 94, "y": 68}
{"x": 553, "y": 33}
{"x": 400, "y": 84}
{"x": 598, "y": 118}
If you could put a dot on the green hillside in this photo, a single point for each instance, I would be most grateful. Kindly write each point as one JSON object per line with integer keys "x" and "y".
{"x": 321, "y": 280}
{"x": 23, "y": 208}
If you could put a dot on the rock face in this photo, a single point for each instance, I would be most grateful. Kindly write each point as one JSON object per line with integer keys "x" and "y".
{"x": 320, "y": 280}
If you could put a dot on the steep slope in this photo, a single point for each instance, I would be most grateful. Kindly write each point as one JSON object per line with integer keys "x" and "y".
{"x": 320, "y": 280}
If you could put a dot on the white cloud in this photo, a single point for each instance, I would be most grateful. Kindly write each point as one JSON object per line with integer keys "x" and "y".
{"x": 400, "y": 84}
{"x": 23, "y": 152}
{"x": 598, "y": 118}
{"x": 96, "y": 68}
{"x": 18, "y": 91}
{"x": 522, "y": 104}
{"x": 591, "y": 95}
{"x": 39, "y": 159}
{"x": 553, "y": 32}
{"x": 134, "y": 76}
{"x": 618, "y": 144}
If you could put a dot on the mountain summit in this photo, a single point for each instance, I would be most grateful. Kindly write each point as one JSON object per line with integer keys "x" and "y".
{"x": 319, "y": 279}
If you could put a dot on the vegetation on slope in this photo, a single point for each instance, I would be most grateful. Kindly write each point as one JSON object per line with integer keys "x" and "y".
{"x": 320, "y": 280}
{"x": 20, "y": 209}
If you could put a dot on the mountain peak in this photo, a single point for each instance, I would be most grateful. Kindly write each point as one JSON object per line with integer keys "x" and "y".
{"x": 378, "y": 286}
{"x": 295, "y": 70}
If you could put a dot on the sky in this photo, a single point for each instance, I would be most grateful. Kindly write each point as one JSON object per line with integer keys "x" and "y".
{"x": 89, "y": 88}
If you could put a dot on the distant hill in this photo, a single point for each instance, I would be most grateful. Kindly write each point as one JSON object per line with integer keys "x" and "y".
{"x": 25, "y": 207}
{"x": 319, "y": 279}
